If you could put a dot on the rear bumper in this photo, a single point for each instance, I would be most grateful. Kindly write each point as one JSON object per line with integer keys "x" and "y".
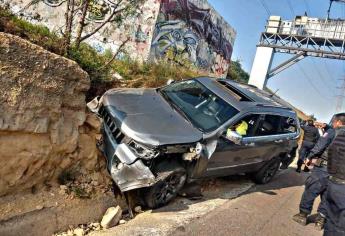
{"x": 126, "y": 169}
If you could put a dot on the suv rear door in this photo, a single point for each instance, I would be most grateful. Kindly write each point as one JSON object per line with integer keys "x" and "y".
{"x": 274, "y": 135}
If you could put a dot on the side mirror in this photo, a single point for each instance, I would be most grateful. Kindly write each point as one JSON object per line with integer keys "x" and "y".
{"x": 233, "y": 137}
{"x": 170, "y": 81}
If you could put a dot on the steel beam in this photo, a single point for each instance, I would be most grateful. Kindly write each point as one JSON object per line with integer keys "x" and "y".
{"x": 310, "y": 46}
{"x": 286, "y": 64}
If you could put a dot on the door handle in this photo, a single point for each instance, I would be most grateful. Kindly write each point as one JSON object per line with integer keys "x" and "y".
{"x": 279, "y": 141}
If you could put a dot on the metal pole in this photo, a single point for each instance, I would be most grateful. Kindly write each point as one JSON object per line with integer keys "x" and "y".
{"x": 329, "y": 9}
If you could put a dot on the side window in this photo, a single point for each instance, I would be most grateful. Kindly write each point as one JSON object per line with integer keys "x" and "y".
{"x": 247, "y": 129}
{"x": 288, "y": 125}
{"x": 270, "y": 125}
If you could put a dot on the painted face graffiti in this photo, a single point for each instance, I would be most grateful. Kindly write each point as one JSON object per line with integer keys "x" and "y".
{"x": 201, "y": 21}
{"x": 188, "y": 30}
{"x": 175, "y": 40}
{"x": 54, "y": 3}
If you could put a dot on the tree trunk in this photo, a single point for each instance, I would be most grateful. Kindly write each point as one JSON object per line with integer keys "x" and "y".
{"x": 69, "y": 15}
{"x": 115, "y": 54}
{"x": 81, "y": 23}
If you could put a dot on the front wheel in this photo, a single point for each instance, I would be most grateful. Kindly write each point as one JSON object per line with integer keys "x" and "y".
{"x": 267, "y": 172}
{"x": 171, "y": 179}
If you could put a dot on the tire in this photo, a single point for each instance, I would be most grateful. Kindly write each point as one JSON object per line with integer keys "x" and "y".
{"x": 267, "y": 172}
{"x": 171, "y": 178}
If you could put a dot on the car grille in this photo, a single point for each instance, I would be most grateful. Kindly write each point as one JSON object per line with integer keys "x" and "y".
{"x": 108, "y": 120}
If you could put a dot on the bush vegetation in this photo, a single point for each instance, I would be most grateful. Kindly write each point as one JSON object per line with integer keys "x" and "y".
{"x": 97, "y": 65}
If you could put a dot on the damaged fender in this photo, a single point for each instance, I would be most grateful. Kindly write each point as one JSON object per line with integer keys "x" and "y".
{"x": 125, "y": 168}
{"x": 204, "y": 157}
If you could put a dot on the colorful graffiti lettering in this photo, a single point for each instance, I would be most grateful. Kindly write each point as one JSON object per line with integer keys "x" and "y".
{"x": 220, "y": 66}
{"x": 98, "y": 10}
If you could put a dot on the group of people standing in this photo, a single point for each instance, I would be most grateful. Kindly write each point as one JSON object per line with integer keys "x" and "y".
{"x": 323, "y": 154}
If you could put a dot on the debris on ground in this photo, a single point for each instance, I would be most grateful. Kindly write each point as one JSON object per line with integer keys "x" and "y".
{"x": 121, "y": 222}
{"x": 138, "y": 209}
{"x": 81, "y": 230}
{"x": 84, "y": 185}
{"x": 111, "y": 217}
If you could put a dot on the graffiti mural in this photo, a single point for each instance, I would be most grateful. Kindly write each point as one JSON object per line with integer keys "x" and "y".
{"x": 188, "y": 32}
{"x": 191, "y": 29}
{"x": 99, "y": 10}
{"x": 54, "y": 3}
{"x": 138, "y": 29}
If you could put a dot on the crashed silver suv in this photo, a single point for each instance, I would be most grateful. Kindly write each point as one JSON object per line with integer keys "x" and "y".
{"x": 157, "y": 139}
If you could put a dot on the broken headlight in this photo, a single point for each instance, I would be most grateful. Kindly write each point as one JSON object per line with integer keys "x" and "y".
{"x": 142, "y": 151}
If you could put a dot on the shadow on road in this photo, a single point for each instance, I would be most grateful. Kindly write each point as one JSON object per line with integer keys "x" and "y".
{"x": 235, "y": 186}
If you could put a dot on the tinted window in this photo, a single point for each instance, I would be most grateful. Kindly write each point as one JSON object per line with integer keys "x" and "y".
{"x": 200, "y": 105}
{"x": 269, "y": 126}
{"x": 252, "y": 122}
{"x": 288, "y": 125}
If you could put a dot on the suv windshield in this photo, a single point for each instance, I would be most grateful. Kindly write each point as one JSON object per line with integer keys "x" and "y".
{"x": 201, "y": 106}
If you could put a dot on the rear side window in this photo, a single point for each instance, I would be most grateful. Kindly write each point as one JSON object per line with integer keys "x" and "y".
{"x": 270, "y": 125}
{"x": 275, "y": 124}
{"x": 288, "y": 125}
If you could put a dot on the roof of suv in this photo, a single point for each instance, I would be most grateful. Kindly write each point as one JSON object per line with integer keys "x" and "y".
{"x": 245, "y": 95}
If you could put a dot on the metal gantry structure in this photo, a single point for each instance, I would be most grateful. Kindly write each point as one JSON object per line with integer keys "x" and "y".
{"x": 304, "y": 36}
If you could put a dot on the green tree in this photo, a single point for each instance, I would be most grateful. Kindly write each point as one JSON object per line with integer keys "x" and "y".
{"x": 237, "y": 73}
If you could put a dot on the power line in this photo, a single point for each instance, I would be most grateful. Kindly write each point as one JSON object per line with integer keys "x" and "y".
{"x": 263, "y": 3}
{"x": 311, "y": 82}
{"x": 323, "y": 79}
{"x": 307, "y": 6}
{"x": 327, "y": 70}
{"x": 291, "y": 7}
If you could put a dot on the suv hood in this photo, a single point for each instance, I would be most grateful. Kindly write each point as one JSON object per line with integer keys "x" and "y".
{"x": 145, "y": 116}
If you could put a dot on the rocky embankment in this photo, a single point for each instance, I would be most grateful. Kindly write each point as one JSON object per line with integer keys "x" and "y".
{"x": 45, "y": 130}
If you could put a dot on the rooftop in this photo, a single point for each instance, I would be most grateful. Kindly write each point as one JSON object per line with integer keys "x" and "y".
{"x": 243, "y": 95}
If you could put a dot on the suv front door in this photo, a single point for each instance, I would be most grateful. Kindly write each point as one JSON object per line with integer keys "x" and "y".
{"x": 229, "y": 158}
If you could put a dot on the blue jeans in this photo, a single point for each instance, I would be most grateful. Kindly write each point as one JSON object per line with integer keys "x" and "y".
{"x": 335, "y": 205}
{"x": 315, "y": 185}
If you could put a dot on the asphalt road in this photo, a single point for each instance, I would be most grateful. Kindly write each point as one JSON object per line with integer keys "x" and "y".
{"x": 264, "y": 210}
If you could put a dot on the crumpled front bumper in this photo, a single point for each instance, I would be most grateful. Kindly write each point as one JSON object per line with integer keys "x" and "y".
{"x": 126, "y": 169}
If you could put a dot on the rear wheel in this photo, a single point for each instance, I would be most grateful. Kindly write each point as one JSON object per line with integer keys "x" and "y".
{"x": 171, "y": 178}
{"x": 267, "y": 172}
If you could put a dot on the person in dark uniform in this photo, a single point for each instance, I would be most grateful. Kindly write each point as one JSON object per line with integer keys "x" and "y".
{"x": 335, "y": 193}
{"x": 316, "y": 183}
{"x": 311, "y": 136}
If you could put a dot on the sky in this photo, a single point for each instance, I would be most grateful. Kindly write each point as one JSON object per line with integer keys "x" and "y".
{"x": 311, "y": 84}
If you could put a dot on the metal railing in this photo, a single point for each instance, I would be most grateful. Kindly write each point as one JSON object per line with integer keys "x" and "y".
{"x": 331, "y": 29}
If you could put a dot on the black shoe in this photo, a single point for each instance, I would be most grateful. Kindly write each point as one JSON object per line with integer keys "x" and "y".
{"x": 306, "y": 169}
{"x": 320, "y": 222}
{"x": 298, "y": 170}
{"x": 284, "y": 166}
{"x": 301, "y": 218}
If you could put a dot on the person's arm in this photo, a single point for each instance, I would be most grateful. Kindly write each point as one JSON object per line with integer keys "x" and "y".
{"x": 321, "y": 145}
